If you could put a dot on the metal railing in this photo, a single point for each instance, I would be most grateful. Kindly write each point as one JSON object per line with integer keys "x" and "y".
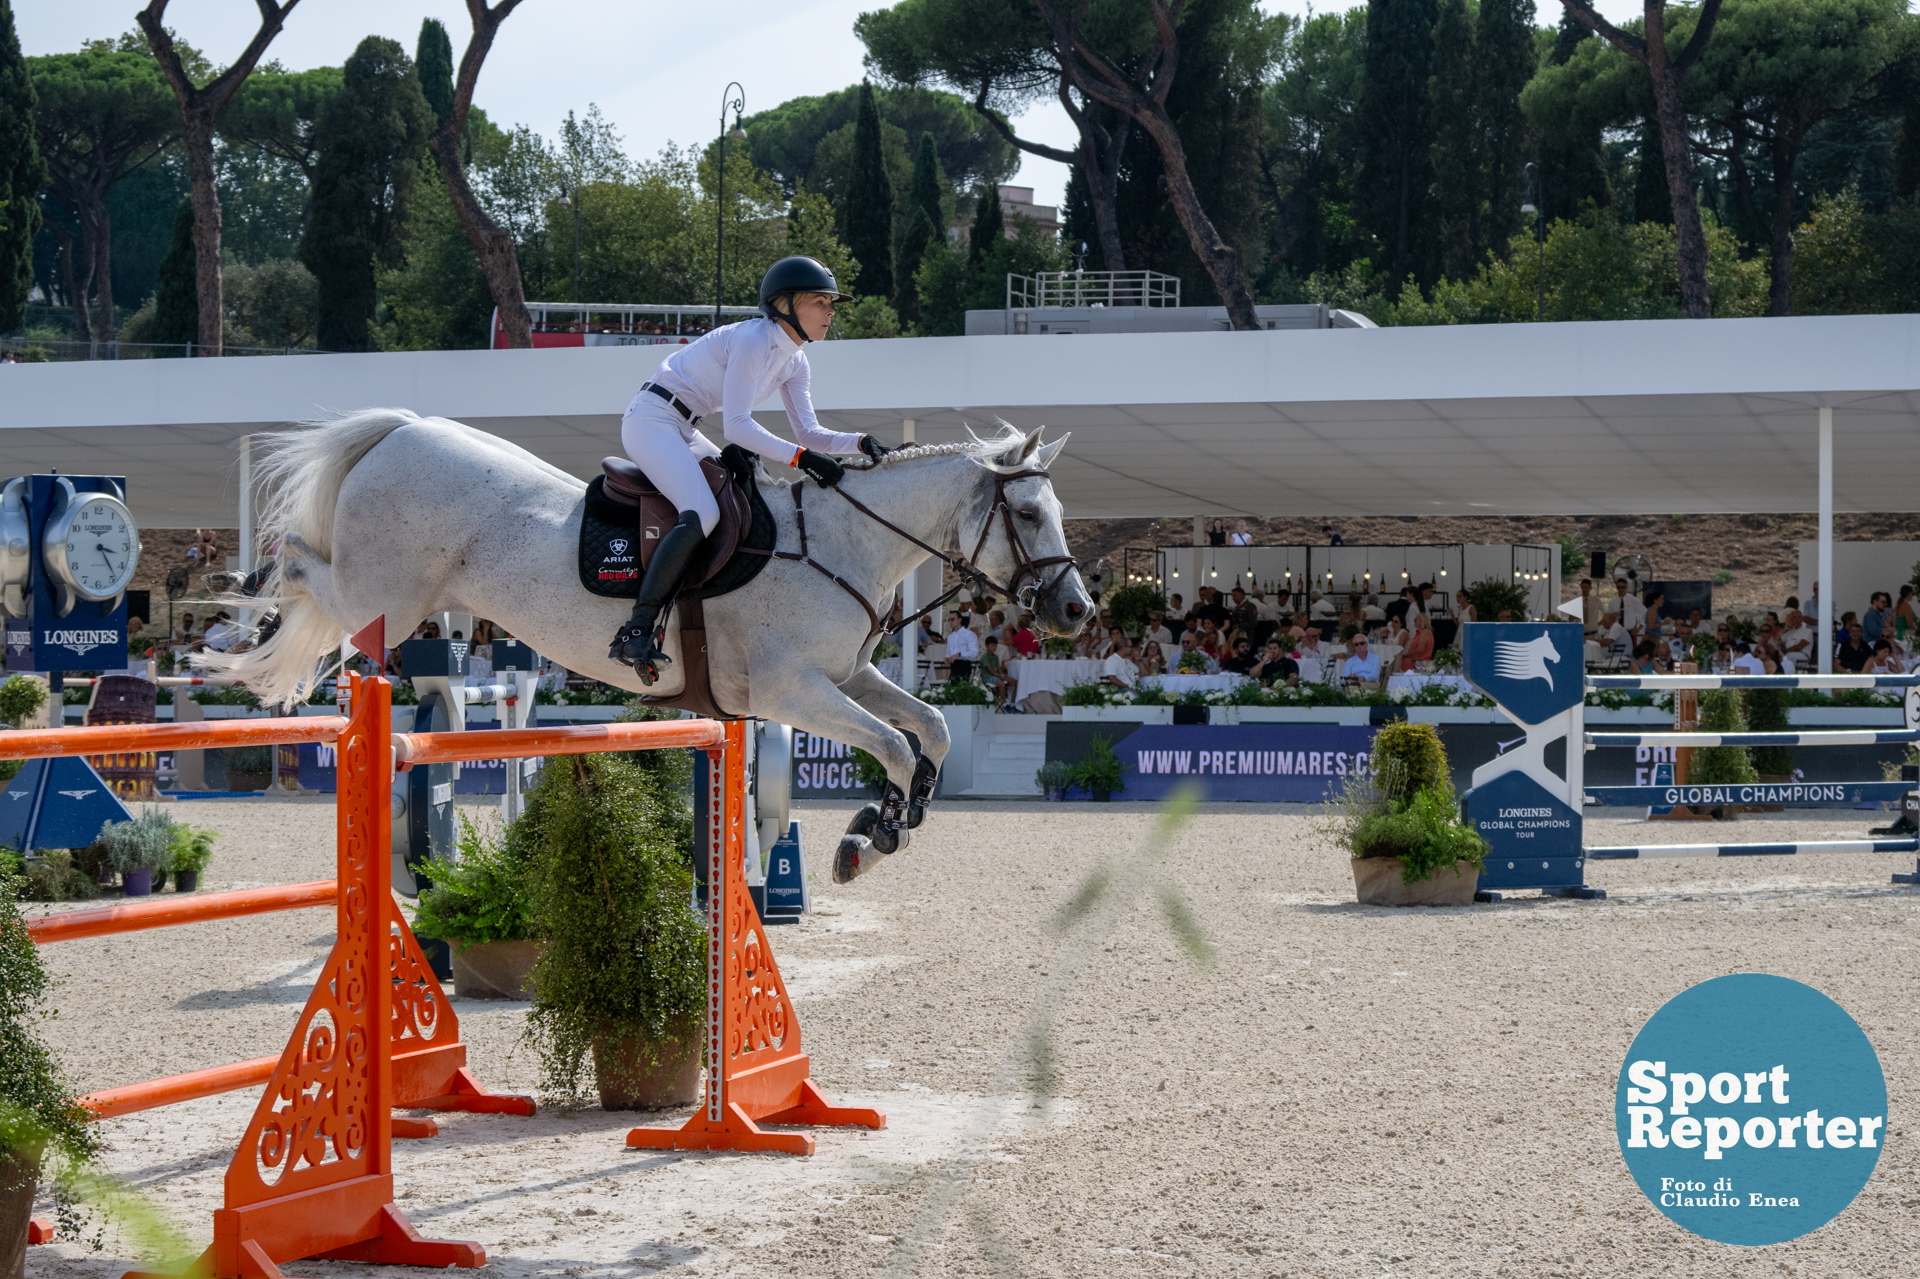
{"x": 32, "y": 350}
{"x": 1092, "y": 288}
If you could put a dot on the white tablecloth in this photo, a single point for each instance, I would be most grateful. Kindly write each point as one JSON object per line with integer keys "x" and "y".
{"x": 1414, "y": 683}
{"x": 1225, "y": 682}
{"x": 1053, "y": 674}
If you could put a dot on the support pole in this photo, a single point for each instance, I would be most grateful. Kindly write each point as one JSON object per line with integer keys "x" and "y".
{"x": 910, "y": 603}
{"x": 1824, "y": 634}
{"x": 245, "y": 549}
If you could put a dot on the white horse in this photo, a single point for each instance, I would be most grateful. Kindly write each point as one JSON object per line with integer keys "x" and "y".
{"x": 381, "y": 512}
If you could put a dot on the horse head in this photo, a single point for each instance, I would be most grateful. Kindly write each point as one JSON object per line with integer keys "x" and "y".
{"x": 1022, "y": 542}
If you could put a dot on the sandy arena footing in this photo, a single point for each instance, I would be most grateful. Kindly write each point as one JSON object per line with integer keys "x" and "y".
{"x": 1341, "y": 1091}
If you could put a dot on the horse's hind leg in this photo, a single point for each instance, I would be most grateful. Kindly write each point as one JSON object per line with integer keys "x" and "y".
{"x": 898, "y": 707}
{"x": 303, "y": 570}
{"x": 809, "y": 700}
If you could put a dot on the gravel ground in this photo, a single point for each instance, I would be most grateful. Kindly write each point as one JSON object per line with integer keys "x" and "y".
{"x": 1340, "y": 1091}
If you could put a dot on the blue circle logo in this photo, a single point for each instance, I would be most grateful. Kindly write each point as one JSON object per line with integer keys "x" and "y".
{"x": 1751, "y": 1109}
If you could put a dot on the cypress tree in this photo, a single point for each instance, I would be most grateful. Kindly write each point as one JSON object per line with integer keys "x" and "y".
{"x": 1396, "y": 137}
{"x": 1503, "y": 43}
{"x": 22, "y": 176}
{"x": 1573, "y": 162}
{"x": 923, "y": 227}
{"x": 1457, "y": 154}
{"x": 870, "y": 203}
{"x": 176, "y": 293}
{"x": 433, "y": 58}
{"x": 371, "y": 137}
{"x": 989, "y": 225}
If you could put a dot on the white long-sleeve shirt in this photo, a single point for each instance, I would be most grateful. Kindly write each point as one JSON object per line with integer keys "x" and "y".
{"x": 735, "y": 367}
{"x": 963, "y": 643}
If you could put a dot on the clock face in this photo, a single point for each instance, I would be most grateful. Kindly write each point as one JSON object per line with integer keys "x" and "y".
{"x": 101, "y": 549}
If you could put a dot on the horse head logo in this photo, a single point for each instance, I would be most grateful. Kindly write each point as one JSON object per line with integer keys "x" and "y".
{"x": 1526, "y": 659}
{"x": 618, "y": 545}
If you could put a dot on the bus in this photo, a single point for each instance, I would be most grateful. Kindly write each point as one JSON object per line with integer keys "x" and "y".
{"x": 618, "y": 323}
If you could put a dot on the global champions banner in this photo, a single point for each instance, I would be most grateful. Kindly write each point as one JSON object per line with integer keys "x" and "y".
{"x": 1294, "y": 763}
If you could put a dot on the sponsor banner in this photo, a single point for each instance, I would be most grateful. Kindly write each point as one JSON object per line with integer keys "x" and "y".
{"x": 1789, "y": 793}
{"x": 1272, "y": 762}
{"x": 1534, "y": 669}
{"x": 477, "y": 777}
{"x": 825, "y": 769}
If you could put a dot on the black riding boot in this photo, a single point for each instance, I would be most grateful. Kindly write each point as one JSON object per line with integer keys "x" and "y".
{"x": 638, "y": 643}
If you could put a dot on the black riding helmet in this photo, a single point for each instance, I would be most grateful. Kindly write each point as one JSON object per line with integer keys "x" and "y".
{"x": 794, "y": 275}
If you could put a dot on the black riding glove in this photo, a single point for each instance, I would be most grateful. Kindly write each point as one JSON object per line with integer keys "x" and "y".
{"x": 822, "y": 469}
{"x": 873, "y": 448}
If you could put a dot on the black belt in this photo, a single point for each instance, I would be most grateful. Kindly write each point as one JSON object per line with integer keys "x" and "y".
{"x": 672, "y": 399}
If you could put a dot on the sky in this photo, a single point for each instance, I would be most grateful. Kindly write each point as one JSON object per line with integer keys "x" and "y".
{"x": 657, "y": 71}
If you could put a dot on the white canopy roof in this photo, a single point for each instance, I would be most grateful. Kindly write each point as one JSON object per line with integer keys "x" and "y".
{"x": 1682, "y": 416}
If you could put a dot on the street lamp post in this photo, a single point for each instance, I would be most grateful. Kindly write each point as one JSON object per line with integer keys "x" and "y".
{"x": 738, "y": 101}
{"x": 569, "y": 199}
{"x": 1536, "y": 205}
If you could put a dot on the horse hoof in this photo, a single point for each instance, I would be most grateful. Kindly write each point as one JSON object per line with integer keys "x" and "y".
{"x": 916, "y": 813}
{"x": 854, "y": 858}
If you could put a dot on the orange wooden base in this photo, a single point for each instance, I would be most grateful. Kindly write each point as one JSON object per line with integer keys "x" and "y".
{"x": 39, "y": 1230}
{"x": 736, "y": 1128}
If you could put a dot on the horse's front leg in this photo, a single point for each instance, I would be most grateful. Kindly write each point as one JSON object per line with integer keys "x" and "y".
{"x": 903, "y": 710}
{"x": 808, "y": 700}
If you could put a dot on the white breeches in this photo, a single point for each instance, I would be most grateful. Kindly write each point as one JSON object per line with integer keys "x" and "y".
{"x": 652, "y": 433}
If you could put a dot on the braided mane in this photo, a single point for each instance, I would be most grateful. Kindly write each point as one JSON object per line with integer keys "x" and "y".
{"x": 974, "y": 446}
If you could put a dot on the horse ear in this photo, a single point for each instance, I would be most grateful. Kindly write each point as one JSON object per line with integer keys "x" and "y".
{"x": 1048, "y": 452}
{"x": 1019, "y": 454}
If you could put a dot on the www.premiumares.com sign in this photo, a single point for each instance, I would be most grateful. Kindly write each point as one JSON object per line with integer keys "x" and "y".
{"x": 1276, "y": 762}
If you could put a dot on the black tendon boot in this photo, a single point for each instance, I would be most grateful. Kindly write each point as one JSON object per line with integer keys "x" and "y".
{"x": 638, "y": 643}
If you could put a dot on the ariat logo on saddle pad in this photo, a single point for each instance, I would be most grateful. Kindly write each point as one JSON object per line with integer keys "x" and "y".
{"x": 618, "y": 545}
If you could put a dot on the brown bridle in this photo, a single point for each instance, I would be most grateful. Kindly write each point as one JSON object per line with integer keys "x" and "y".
{"x": 966, "y": 568}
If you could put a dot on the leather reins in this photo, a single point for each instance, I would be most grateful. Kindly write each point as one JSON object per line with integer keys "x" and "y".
{"x": 1025, "y": 565}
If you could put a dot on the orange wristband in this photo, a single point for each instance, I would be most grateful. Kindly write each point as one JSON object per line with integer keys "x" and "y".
{"x": 796, "y": 457}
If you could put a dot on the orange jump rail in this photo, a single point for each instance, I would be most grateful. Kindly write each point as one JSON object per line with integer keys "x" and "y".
{"x": 101, "y": 739}
{"x": 131, "y": 918}
{"x": 579, "y": 739}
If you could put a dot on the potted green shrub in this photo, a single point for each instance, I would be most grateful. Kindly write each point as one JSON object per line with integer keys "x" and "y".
{"x": 190, "y": 849}
{"x": 1721, "y": 765}
{"x": 623, "y": 976}
{"x": 481, "y": 905}
{"x": 38, "y": 1112}
{"x": 1767, "y": 713}
{"x": 140, "y": 851}
{"x": 1402, "y": 825}
{"x": 1053, "y": 779}
{"x": 1098, "y": 771}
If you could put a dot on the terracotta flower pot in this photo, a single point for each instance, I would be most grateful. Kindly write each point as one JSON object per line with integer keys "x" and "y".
{"x": 495, "y": 970}
{"x": 646, "y": 1074}
{"x": 1377, "y": 882}
{"x": 17, "y": 1177}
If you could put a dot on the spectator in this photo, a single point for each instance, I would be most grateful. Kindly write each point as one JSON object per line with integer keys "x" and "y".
{"x": 1154, "y": 660}
{"x": 1275, "y": 667}
{"x": 1401, "y": 606}
{"x": 1243, "y": 611}
{"x": 1240, "y": 535}
{"x": 1107, "y": 647}
{"x": 1333, "y": 538}
{"x": 1885, "y": 661}
{"x": 222, "y": 634}
{"x": 1613, "y": 635}
{"x": 183, "y": 633}
{"x": 1121, "y": 668}
{"x": 1680, "y": 647}
{"x": 1190, "y": 643}
{"x": 1656, "y": 622}
{"x": 1847, "y": 619}
{"x": 993, "y": 671}
{"x": 1854, "y": 652}
{"x": 1217, "y": 533}
{"x": 1242, "y": 659}
{"x": 1745, "y": 661}
{"x": 963, "y": 650}
{"x": 1363, "y": 665}
{"x": 1024, "y": 638}
{"x": 1157, "y": 632}
{"x": 1420, "y": 645}
{"x": 1695, "y": 619}
{"x": 1646, "y": 659}
{"x": 996, "y": 623}
{"x": 1397, "y": 634}
{"x": 1879, "y": 612}
{"x": 1265, "y": 610}
{"x": 1590, "y": 608}
{"x": 1633, "y": 614}
{"x": 1905, "y": 622}
{"x": 1812, "y": 606}
{"x": 1770, "y": 658}
{"x": 1796, "y": 642}
{"x": 1467, "y": 612}
{"x": 6, "y": 357}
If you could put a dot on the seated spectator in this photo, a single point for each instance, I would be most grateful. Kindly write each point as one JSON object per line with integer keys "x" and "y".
{"x": 963, "y": 649}
{"x": 1375, "y": 615}
{"x": 1680, "y": 647}
{"x": 1157, "y": 632}
{"x": 1083, "y": 645}
{"x": 1847, "y": 619}
{"x": 1121, "y": 668}
{"x": 1275, "y": 668}
{"x": 1109, "y": 644}
{"x": 993, "y": 671}
{"x": 1746, "y": 661}
{"x": 1319, "y": 605}
{"x": 1400, "y": 607}
{"x": 1796, "y": 642}
{"x": 222, "y": 634}
{"x": 1210, "y": 640}
{"x": 1190, "y": 643}
{"x": 1396, "y": 633}
{"x": 1854, "y": 652}
{"x": 1242, "y": 660}
{"x": 1419, "y": 645}
{"x": 1905, "y": 621}
{"x": 1363, "y": 665}
{"x": 1154, "y": 660}
{"x": 1646, "y": 659}
{"x": 1612, "y": 635}
{"x": 1879, "y": 612}
{"x": 183, "y": 633}
{"x": 1885, "y": 660}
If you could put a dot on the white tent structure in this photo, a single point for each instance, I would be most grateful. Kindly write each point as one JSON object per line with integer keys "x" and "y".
{"x": 1669, "y": 416}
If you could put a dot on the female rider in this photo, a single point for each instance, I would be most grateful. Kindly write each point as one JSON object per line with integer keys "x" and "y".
{"x": 727, "y": 371}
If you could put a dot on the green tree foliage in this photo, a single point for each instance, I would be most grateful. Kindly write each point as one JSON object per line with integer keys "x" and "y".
{"x": 1504, "y": 53}
{"x": 371, "y": 137}
{"x": 1721, "y": 765}
{"x": 953, "y": 280}
{"x": 1766, "y": 710}
{"x": 786, "y": 141}
{"x": 437, "y": 299}
{"x": 869, "y": 203}
{"x": 1847, "y": 261}
{"x": 1569, "y": 144}
{"x": 279, "y": 112}
{"x": 433, "y": 59}
{"x": 22, "y": 175}
{"x": 1396, "y": 138}
{"x": 1409, "y": 758}
{"x": 1459, "y": 205}
{"x": 1313, "y": 145}
{"x": 989, "y": 224}
{"x": 925, "y": 222}
{"x": 1652, "y": 201}
{"x": 32, "y": 1087}
{"x": 99, "y": 116}
{"x": 176, "y": 296}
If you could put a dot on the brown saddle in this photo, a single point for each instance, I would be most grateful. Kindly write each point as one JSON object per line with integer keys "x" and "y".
{"x": 625, "y": 484}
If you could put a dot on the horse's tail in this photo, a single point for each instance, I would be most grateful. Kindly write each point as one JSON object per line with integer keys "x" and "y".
{"x": 297, "y": 476}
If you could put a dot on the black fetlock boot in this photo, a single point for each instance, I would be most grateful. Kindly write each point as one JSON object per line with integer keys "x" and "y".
{"x": 638, "y": 643}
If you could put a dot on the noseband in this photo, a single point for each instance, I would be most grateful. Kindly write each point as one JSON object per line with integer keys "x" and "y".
{"x": 1024, "y": 564}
